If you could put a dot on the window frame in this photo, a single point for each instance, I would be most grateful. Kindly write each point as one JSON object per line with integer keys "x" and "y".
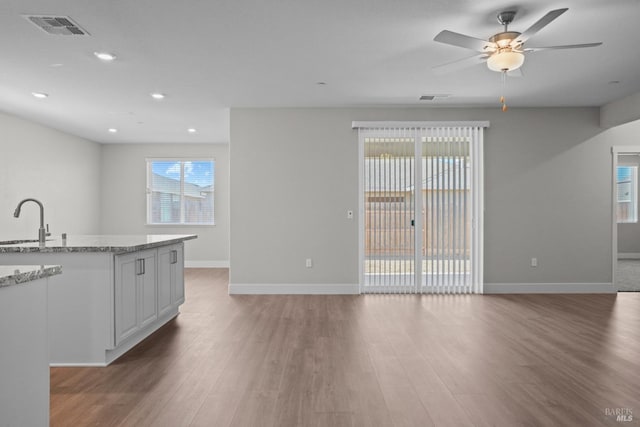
{"x": 149, "y": 192}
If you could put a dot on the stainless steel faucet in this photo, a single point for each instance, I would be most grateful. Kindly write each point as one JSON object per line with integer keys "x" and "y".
{"x": 42, "y": 233}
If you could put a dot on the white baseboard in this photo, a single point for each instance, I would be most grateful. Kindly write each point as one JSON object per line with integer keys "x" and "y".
{"x": 628, "y": 255}
{"x": 353, "y": 289}
{"x": 76, "y": 365}
{"x": 206, "y": 264}
{"x": 288, "y": 289}
{"x": 549, "y": 288}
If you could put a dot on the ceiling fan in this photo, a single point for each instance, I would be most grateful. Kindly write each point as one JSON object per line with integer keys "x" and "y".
{"x": 505, "y": 51}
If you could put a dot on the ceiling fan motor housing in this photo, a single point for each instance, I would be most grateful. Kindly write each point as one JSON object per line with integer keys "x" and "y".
{"x": 504, "y": 39}
{"x": 506, "y": 57}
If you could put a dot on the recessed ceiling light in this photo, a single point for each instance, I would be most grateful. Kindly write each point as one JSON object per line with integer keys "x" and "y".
{"x": 104, "y": 56}
{"x": 112, "y": 130}
{"x": 40, "y": 95}
{"x": 191, "y": 130}
{"x": 157, "y": 95}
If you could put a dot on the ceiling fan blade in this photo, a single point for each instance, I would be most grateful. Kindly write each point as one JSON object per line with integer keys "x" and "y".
{"x": 567, "y": 46}
{"x": 540, "y": 24}
{"x": 457, "y": 39}
{"x": 459, "y": 64}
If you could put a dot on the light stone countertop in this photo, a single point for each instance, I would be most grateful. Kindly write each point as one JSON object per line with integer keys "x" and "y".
{"x": 94, "y": 243}
{"x": 16, "y": 274}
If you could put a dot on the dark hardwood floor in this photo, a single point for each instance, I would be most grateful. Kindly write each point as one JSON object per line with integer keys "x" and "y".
{"x": 375, "y": 360}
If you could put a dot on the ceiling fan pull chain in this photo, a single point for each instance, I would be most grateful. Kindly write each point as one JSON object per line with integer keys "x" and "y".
{"x": 504, "y": 84}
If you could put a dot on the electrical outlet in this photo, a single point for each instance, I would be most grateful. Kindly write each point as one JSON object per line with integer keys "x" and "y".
{"x": 309, "y": 263}
{"x": 534, "y": 262}
{"x": 349, "y": 214}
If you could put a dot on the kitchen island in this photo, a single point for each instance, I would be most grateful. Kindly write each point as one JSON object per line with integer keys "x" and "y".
{"x": 116, "y": 290}
{"x": 24, "y": 357}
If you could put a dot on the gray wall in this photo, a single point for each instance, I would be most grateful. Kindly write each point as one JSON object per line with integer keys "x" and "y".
{"x": 123, "y": 197}
{"x": 61, "y": 170}
{"x": 294, "y": 176}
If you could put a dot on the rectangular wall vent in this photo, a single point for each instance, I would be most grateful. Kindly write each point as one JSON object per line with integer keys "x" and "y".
{"x": 57, "y": 25}
{"x": 432, "y": 97}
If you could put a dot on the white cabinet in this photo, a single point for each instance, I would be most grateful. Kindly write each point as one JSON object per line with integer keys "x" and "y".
{"x": 24, "y": 355}
{"x": 164, "y": 279}
{"x": 170, "y": 277}
{"x": 112, "y": 295}
{"x": 177, "y": 297}
{"x": 148, "y": 285}
{"x": 135, "y": 293}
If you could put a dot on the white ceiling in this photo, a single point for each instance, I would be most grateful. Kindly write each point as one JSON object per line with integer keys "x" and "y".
{"x": 211, "y": 55}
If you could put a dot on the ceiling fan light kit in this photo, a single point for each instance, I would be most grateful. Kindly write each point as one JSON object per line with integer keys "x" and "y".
{"x": 507, "y": 60}
{"x": 503, "y": 51}
{"x": 506, "y": 55}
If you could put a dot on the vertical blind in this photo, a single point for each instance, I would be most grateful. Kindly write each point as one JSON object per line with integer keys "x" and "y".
{"x": 421, "y": 208}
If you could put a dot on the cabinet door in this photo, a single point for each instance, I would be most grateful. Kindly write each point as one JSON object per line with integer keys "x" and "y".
{"x": 177, "y": 277}
{"x": 135, "y": 293}
{"x": 170, "y": 277}
{"x": 164, "y": 279}
{"x": 148, "y": 308}
{"x": 126, "y": 296}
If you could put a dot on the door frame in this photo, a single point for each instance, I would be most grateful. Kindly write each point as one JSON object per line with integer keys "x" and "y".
{"x": 477, "y": 207}
{"x": 616, "y": 151}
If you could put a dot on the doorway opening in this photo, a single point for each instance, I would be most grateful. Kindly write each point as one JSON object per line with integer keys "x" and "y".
{"x": 626, "y": 227}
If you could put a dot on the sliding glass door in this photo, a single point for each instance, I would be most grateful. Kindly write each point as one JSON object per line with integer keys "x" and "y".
{"x": 389, "y": 207}
{"x": 421, "y": 209}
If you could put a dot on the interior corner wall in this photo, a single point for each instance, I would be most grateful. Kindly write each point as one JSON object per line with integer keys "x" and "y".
{"x": 620, "y": 111}
{"x": 124, "y": 200}
{"x": 60, "y": 170}
{"x": 294, "y": 176}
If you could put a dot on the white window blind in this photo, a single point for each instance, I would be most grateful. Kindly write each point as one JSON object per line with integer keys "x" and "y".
{"x": 627, "y": 194}
{"x": 421, "y": 207}
{"x": 180, "y": 192}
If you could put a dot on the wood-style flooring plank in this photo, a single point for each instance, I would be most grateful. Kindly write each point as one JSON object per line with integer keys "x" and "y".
{"x": 371, "y": 360}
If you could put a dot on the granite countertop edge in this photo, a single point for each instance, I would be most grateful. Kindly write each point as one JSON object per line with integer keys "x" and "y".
{"x": 26, "y": 273}
{"x": 58, "y": 246}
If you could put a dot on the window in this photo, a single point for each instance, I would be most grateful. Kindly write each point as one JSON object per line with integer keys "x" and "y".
{"x": 627, "y": 184}
{"x": 180, "y": 191}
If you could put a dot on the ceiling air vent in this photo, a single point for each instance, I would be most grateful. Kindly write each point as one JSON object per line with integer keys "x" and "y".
{"x": 57, "y": 25}
{"x": 433, "y": 97}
